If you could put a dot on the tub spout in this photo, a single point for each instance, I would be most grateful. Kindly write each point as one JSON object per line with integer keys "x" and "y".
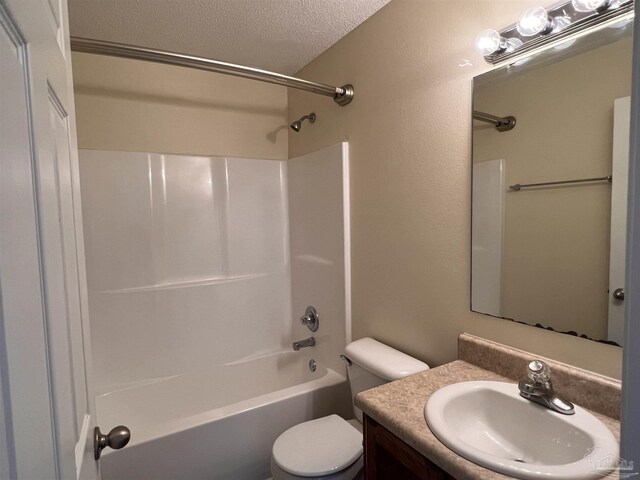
{"x": 308, "y": 342}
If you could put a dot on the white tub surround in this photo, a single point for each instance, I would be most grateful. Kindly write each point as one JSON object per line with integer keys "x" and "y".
{"x": 190, "y": 294}
{"x": 188, "y": 262}
{"x": 318, "y": 194}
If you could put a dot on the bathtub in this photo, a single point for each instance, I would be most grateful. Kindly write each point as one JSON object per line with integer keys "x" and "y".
{"x": 217, "y": 424}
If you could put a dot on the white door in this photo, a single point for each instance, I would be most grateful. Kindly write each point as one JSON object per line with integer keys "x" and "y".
{"x": 48, "y": 407}
{"x": 619, "y": 185}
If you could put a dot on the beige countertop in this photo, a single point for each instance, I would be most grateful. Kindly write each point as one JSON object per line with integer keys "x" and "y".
{"x": 399, "y": 407}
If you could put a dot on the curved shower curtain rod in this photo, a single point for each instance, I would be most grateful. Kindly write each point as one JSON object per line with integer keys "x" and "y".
{"x": 341, "y": 95}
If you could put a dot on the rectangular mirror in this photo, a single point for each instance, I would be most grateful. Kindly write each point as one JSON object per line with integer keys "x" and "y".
{"x": 549, "y": 187}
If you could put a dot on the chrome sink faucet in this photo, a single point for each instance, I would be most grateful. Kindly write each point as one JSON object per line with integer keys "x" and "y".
{"x": 307, "y": 342}
{"x": 541, "y": 390}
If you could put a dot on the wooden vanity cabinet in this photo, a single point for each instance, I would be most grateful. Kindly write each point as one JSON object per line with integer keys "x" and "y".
{"x": 386, "y": 457}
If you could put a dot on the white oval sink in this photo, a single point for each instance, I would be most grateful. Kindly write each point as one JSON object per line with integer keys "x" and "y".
{"x": 490, "y": 424}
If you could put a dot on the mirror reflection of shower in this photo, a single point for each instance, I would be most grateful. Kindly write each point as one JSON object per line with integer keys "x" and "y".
{"x": 297, "y": 125}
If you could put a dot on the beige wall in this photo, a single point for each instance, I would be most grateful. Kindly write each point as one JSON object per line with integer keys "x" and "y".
{"x": 556, "y": 240}
{"x": 409, "y": 136}
{"x": 140, "y": 106}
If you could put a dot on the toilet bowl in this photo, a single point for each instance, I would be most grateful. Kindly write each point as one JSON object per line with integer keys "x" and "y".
{"x": 326, "y": 448}
{"x": 330, "y": 448}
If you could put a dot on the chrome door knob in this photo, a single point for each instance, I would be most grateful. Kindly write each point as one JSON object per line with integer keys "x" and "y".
{"x": 618, "y": 294}
{"x": 117, "y": 438}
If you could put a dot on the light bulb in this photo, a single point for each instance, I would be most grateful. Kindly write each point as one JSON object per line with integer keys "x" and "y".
{"x": 489, "y": 41}
{"x": 534, "y": 21}
{"x": 589, "y": 5}
{"x": 560, "y": 23}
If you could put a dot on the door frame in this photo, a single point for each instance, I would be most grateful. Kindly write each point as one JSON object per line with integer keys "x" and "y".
{"x": 630, "y": 419}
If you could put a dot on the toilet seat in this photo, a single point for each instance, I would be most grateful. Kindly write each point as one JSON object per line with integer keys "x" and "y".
{"x": 318, "y": 447}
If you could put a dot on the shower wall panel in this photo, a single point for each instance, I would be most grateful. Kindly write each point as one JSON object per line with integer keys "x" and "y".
{"x": 188, "y": 263}
{"x": 320, "y": 250}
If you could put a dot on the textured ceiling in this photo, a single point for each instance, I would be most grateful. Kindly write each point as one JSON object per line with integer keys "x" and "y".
{"x": 278, "y": 35}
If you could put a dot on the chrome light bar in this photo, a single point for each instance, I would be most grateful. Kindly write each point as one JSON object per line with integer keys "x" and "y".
{"x": 539, "y": 26}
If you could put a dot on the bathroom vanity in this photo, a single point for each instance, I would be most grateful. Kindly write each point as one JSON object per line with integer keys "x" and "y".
{"x": 400, "y": 444}
{"x": 387, "y": 456}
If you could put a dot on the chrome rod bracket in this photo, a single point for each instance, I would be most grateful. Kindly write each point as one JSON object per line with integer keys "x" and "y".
{"x": 502, "y": 124}
{"x": 505, "y": 124}
{"x": 344, "y": 95}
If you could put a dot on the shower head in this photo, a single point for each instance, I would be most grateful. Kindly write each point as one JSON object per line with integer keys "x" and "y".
{"x": 297, "y": 125}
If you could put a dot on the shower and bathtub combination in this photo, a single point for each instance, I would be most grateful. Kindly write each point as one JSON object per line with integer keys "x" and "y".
{"x": 198, "y": 271}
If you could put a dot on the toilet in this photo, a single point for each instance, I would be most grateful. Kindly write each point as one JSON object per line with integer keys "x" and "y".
{"x": 330, "y": 448}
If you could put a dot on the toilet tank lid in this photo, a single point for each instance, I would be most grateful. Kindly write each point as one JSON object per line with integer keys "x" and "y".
{"x": 382, "y": 360}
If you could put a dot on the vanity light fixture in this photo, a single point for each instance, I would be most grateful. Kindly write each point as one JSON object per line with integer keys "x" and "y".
{"x": 538, "y": 26}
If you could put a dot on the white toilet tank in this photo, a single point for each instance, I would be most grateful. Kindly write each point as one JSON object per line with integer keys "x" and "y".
{"x": 374, "y": 363}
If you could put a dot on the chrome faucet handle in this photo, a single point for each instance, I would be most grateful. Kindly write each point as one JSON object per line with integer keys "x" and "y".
{"x": 310, "y": 319}
{"x": 541, "y": 391}
{"x": 539, "y": 373}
